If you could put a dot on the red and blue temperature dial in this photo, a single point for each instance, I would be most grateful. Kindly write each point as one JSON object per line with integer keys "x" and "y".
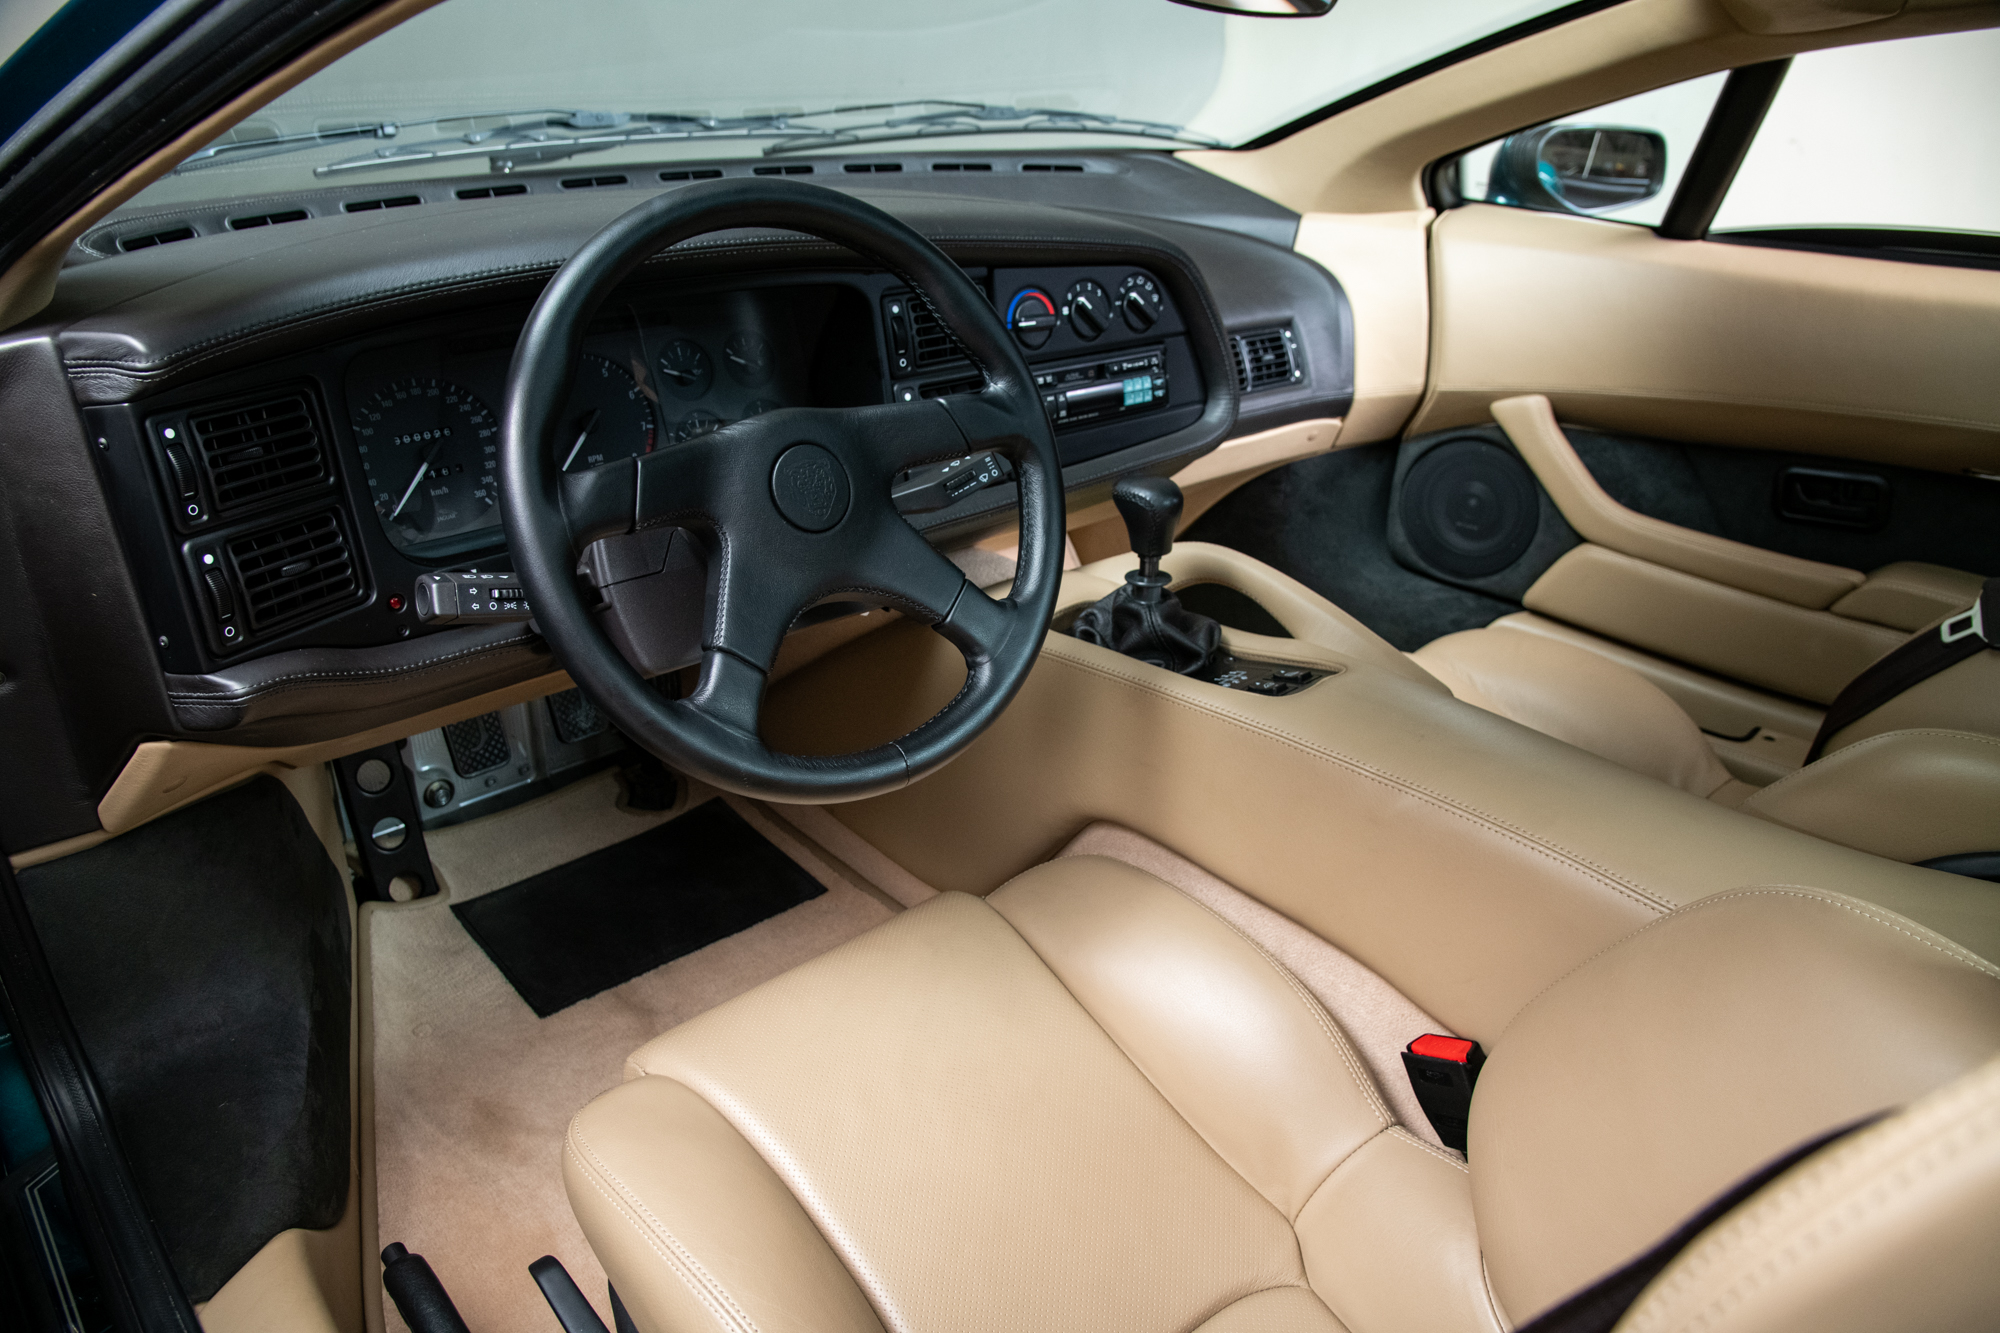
{"x": 1032, "y": 317}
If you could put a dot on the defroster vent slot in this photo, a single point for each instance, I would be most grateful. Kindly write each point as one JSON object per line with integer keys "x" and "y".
{"x": 294, "y": 571}
{"x": 256, "y": 451}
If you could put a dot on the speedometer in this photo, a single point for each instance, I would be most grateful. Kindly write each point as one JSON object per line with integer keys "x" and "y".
{"x": 429, "y": 450}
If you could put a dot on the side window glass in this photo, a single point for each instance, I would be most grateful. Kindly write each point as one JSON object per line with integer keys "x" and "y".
{"x": 1902, "y": 135}
{"x": 1621, "y": 160}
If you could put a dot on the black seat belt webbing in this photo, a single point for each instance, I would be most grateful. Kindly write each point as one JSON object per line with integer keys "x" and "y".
{"x": 1964, "y": 635}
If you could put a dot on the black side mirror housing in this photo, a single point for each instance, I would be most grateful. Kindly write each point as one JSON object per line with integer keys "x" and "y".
{"x": 1578, "y": 168}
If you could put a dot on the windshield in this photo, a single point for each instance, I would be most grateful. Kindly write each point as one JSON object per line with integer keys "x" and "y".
{"x": 484, "y": 87}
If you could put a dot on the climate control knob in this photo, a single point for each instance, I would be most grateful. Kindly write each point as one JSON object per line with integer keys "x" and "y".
{"x": 1088, "y": 308}
{"x": 1032, "y": 317}
{"x": 1139, "y": 301}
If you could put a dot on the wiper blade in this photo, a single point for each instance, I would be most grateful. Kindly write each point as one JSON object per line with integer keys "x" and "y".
{"x": 984, "y": 118}
{"x": 563, "y": 134}
{"x": 240, "y": 150}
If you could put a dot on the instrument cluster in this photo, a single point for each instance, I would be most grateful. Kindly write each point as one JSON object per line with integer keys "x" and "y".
{"x": 425, "y": 416}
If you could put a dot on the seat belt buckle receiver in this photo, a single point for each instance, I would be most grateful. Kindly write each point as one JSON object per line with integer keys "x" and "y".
{"x": 1442, "y": 1073}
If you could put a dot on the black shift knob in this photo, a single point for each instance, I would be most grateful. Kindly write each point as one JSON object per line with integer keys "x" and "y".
{"x": 1150, "y": 506}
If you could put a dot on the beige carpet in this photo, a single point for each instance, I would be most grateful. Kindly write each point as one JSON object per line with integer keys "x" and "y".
{"x": 472, "y": 1093}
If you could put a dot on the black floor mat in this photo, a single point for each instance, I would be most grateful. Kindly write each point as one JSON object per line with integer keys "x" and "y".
{"x": 602, "y": 919}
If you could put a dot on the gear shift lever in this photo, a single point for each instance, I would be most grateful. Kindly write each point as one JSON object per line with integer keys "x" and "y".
{"x": 1142, "y": 619}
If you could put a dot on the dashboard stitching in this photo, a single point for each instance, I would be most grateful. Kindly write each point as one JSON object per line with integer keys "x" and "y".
{"x": 297, "y": 679}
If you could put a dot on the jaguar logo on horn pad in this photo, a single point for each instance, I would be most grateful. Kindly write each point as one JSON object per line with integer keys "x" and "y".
{"x": 810, "y": 487}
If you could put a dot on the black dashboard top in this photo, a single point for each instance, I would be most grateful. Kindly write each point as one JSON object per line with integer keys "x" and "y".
{"x": 361, "y": 356}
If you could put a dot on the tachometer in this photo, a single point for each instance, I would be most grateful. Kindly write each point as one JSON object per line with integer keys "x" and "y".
{"x": 428, "y": 451}
{"x": 608, "y": 417}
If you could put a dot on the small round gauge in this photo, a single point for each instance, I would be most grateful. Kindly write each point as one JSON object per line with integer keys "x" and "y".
{"x": 608, "y": 417}
{"x": 1088, "y": 309}
{"x": 428, "y": 452}
{"x": 1140, "y": 302}
{"x": 1032, "y": 317}
{"x": 695, "y": 425}
{"x": 757, "y": 407}
{"x": 750, "y": 357}
{"x": 687, "y": 370}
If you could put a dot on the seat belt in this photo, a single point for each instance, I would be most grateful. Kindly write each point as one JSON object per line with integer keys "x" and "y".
{"x": 1599, "y": 1306}
{"x": 1961, "y": 636}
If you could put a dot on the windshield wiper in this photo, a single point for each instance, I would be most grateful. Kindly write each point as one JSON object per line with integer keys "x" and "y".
{"x": 515, "y": 139}
{"x": 983, "y": 118}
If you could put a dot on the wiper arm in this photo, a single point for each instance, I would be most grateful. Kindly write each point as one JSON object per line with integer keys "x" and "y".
{"x": 238, "y": 150}
{"x": 564, "y": 134}
{"x": 984, "y": 118}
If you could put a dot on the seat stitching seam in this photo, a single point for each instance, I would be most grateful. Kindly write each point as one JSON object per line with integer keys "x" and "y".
{"x": 1876, "y": 741}
{"x": 1458, "y": 1163}
{"x": 1807, "y": 891}
{"x": 1896, "y": 1175}
{"x": 1469, "y": 814}
{"x": 1252, "y": 1295}
{"x": 715, "y": 1292}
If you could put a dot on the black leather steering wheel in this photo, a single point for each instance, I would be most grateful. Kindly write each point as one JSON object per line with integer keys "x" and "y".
{"x": 792, "y": 507}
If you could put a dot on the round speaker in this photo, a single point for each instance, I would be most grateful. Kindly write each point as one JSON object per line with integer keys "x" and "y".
{"x": 1469, "y": 508}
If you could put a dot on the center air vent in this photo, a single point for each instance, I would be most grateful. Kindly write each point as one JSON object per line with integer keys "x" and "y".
{"x": 293, "y": 571}
{"x": 1266, "y": 359}
{"x": 257, "y": 450}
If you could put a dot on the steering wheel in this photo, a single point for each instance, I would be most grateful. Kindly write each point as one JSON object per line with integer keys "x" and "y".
{"x": 792, "y": 507}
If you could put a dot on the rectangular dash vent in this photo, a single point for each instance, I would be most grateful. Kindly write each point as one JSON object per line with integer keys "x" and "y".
{"x": 788, "y": 169}
{"x": 254, "y": 451}
{"x": 491, "y": 191}
{"x": 1052, "y": 166}
{"x": 152, "y": 238}
{"x": 934, "y": 343}
{"x": 863, "y": 168}
{"x": 961, "y": 166}
{"x": 692, "y": 174}
{"x": 292, "y": 571}
{"x": 371, "y": 205}
{"x": 1266, "y": 359}
{"x": 593, "y": 182}
{"x": 267, "y": 219}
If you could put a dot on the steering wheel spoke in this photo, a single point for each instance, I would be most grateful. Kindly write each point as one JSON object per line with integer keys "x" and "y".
{"x": 894, "y": 437}
{"x": 980, "y": 627}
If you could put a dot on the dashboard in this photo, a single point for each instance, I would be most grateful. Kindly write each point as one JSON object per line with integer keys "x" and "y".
{"x": 283, "y": 429}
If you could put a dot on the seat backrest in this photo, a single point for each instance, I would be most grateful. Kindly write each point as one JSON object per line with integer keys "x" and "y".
{"x": 1676, "y": 1062}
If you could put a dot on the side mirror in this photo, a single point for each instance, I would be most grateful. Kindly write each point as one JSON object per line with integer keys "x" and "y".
{"x": 1264, "y": 9}
{"x": 1578, "y": 168}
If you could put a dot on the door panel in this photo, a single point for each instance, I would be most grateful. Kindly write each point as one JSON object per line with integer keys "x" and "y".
{"x": 1713, "y": 342}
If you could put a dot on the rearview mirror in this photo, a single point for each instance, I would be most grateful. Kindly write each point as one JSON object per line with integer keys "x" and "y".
{"x": 1264, "y": 9}
{"x": 1579, "y": 168}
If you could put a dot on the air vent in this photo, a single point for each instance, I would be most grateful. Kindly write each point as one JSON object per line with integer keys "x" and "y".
{"x": 268, "y": 219}
{"x": 152, "y": 238}
{"x": 1266, "y": 359}
{"x": 789, "y": 169}
{"x": 592, "y": 182}
{"x": 490, "y": 191}
{"x": 293, "y": 571}
{"x": 961, "y": 166}
{"x": 863, "y": 168}
{"x": 258, "y": 450}
{"x": 692, "y": 174}
{"x": 934, "y": 343}
{"x": 945, "y": 388}
{"x": 1052, "y": 166}
{"x": 370, "y": 205}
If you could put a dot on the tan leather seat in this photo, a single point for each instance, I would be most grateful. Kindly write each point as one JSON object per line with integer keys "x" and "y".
{"x": 1574, "y": 695}
{"x": 1917, "y": 779}
{"x": 1086, "y": 1102}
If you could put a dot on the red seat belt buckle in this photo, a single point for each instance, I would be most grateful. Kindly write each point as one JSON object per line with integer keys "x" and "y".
{"x": 1442, "y": 1073}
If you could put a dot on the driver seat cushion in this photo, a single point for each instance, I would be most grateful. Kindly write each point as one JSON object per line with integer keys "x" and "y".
{"x": 1576, "y": 696}
{"x": 1087, "y": 1102}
